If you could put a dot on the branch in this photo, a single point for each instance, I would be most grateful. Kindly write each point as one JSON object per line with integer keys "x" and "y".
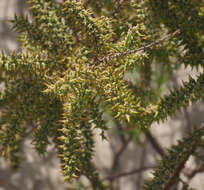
{"x": 189, "y": 92}
{"x": 132, "y": 172}
{"x": 181, "y": 165}
{"x": 140, "y": 176}
{"x": 168, "y": 172}
{"x": 191, "y": 174}
{"x": 122, "y": 54}
{"x": 154, "y": 143}
{"x": 119, "y": 153}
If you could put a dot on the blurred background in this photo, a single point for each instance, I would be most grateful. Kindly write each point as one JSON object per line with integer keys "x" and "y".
{"x": 124, "y": 162}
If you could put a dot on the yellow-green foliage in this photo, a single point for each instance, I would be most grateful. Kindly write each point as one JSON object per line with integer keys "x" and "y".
{"x": 77, "y": 62}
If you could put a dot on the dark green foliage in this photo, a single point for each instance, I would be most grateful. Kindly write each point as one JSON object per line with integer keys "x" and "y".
{"x": 172, "y": 164}
{"x": 188, "y": 17}
{"x": 83, "y": 60}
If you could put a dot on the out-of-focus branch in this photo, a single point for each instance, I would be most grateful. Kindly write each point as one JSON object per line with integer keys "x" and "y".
{"x": 119, "y": 153}
{"x": 157, "y": 147}
{"x": 132, "y": 172}
{"x": 143, "y": 158}
{"x": 192, "y": 173}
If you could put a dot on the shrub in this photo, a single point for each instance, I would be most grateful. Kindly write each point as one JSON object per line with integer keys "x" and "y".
{"x": 85, "y": 63}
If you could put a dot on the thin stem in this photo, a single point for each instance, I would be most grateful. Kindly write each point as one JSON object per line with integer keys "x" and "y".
{"x": 119, "y": 153}
{"x": 122, "y": 54}
{"x": 140, "y": 176}
{"x": 157, "y": 147}
{"x": 191, "y": 174}
{"x": 132, "y": 172}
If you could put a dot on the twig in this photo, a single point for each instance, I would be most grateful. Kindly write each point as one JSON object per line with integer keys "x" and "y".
{"x": 140, "y": 176}
{"x": 154, "y": 143}
{"x": 122, "y": 54}
{"x": 122, "y": 136}
{"x": 123, "y": 174}
{"x": 119, "y": 153}
{"x": 191, "y": 174}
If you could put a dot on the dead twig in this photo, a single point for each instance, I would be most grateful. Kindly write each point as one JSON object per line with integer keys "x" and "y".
{"x": 122, "y": 54}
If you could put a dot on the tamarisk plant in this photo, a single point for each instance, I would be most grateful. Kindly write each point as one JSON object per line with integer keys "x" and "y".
{"x": 80, "y": 61}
